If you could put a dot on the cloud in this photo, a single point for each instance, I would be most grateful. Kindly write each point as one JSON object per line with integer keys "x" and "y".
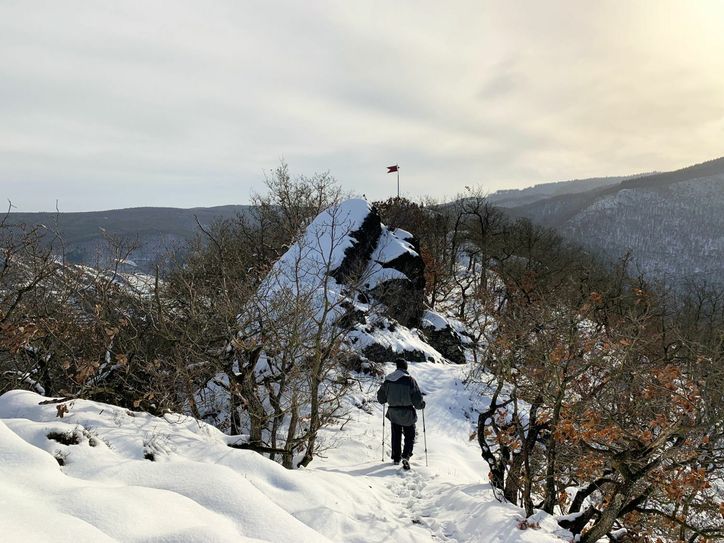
{"x": 116, "y": 104}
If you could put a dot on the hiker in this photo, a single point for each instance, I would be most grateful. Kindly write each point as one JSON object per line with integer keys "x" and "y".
{"x": 403, "y": 396}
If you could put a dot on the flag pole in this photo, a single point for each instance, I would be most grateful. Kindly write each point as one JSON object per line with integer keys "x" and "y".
{"x": 395, "y": 168}
{"x": 398, "y": 182}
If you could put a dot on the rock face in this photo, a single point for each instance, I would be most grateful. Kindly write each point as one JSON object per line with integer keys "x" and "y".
{"x": 385, "y": 265}
{"x": 404, "y": 297}
{"x": 379, "y": 274}
{"x": 444, "y": 337}
{"x": 357, "y": 256}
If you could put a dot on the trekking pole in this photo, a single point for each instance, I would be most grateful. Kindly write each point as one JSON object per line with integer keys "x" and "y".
{"x": 383, "y": 432}
{"x": 424, "y": 435}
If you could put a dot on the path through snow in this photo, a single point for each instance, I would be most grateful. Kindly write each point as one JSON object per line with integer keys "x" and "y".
{"x": 450, "y": 500}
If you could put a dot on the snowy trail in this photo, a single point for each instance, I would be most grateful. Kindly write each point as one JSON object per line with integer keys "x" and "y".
{"x": 198, "y": 490}
{"x": 451, "y": 500}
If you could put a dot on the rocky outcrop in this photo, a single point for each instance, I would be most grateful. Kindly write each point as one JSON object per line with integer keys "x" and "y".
{"x": 447, "y": 342}
{"x": 382, "y": 353}
{"x": 358, "y": 254}
{"x": 380, "y": 275}
{"x": 445, "y": 336}
{"x": 405, "y": 297}
{"x": 386, "y": 265}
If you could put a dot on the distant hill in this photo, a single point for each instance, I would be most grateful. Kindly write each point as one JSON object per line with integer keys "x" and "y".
{"x": 155, "y": 228}
{"x": 520, "y": 197}
{"x": 672, "y": 222}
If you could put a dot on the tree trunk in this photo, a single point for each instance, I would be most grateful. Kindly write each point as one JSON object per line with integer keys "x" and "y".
{"x": 527, "y": 445}
{"x": 550, "y": 495}
{"x": 288, "y": 456}
{"x": 246, "y": 381}
{"x": 608, "y": 516}
{"x": 313, "y": 423}
{"x": 497, "y": 469}
{"x": 275, "y": 399}
{"x": 496, "y": 466}
{"x": 512, "y": 482}
{"x": 583, "y": 493}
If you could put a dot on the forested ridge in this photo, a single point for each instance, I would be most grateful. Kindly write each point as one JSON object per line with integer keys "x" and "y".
{"x": 670, "y": 223}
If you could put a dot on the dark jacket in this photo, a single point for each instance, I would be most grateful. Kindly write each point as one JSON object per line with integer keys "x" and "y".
{"x": 401, "y": 393}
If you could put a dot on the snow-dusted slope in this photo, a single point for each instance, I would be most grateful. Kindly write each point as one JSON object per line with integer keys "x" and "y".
{"x": 675, "y": 234}
{"x": 320, "y": 250}
{"x": 672, "y": 223}
{"x": 199, "y": 489}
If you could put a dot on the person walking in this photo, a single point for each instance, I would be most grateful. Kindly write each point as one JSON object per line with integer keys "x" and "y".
{"x": 402, "y": 395}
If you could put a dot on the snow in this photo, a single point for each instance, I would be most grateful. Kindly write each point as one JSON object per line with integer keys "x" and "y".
{"x": 391, "y": 246}
{"x": 199, "y": 489}
{"x": 376, "y": 274}
{"x": 321, "y": 248}
{"x": 403, "y": 234}
{"x": 394, "y": 336}
{"x": 434, "y": 320}
{"x": 304, "y": 271}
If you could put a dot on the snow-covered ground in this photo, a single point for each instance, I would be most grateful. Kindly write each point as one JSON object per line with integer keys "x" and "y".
{"x": 199, "y": 489}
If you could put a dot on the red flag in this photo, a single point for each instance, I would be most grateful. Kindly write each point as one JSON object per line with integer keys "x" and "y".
{"x": 392, "y": 169}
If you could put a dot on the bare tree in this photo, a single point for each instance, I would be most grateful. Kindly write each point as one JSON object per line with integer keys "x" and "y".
{"x": 599, "y": 403}
{"x": 292, "y": 344}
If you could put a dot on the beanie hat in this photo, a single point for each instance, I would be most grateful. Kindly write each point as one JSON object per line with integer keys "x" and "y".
{"x": 401, "y": 364}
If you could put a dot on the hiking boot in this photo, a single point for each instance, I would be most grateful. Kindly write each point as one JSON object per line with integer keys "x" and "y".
{"x": 396, "y": 462}
{"x": 405, "y": 464}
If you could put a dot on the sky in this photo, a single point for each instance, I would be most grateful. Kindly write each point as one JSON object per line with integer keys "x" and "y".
{"x": 112, "y": 104}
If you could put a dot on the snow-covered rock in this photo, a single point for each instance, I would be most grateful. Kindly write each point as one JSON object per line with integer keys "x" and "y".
{"x": 443, "y": 336}
{"x": 371, "y": 279}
